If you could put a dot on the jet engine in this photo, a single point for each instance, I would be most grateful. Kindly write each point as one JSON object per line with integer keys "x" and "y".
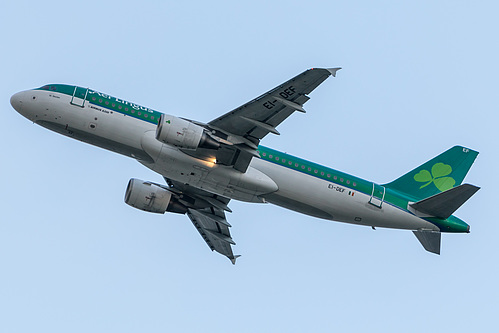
{"x": 183, "y": 133}
{"x": 152, "y": 198}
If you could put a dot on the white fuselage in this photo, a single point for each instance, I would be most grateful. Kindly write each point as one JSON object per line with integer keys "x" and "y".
{"x": 262, "y": 182}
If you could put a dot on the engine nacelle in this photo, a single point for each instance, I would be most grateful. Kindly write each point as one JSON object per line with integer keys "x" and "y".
{"x": 151, "y": 198}
{"x": 183, "y": 133}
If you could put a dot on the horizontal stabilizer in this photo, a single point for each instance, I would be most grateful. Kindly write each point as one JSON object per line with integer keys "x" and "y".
{"x": 429, "y": 239}
{"x": 442, "y": 205}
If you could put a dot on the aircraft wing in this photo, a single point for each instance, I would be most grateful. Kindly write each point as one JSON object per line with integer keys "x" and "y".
{"x": 255, "y": 119}
{"x": 214, "y": 229}
{"x": 207, "y": 213}
{"x": 239, "y": 131}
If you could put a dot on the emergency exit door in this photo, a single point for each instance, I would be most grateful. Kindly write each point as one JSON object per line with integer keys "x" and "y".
{"x": 79, "y": 96}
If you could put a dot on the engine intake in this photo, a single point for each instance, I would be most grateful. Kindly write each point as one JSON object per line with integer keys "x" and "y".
{"x": 151, "y": 198}
{"x": 183, "y": 133}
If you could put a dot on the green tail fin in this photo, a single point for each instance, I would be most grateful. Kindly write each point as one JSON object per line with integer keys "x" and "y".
{"x": 437, "y": 175}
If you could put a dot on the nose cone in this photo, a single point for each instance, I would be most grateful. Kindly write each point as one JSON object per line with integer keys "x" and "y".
{"x": 17, "y": 102}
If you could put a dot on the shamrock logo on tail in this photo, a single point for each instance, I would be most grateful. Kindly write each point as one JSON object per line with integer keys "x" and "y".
{"x": 438, "y": 174}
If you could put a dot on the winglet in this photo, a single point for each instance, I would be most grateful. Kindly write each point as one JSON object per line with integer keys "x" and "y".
{"x": 233, "y": 260}
{"x": 333, "y": 70}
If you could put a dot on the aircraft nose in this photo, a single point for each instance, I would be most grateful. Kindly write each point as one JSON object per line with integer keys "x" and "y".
{"x": 17, "y": 101}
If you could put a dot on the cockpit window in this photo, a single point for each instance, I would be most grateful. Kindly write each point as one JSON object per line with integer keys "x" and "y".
{"x": 49, "y": 87}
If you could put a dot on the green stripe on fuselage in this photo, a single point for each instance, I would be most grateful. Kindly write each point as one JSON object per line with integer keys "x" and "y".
{"x": 315, "y": 170}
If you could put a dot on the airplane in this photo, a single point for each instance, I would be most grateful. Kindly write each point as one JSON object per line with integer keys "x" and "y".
{"x": 205, "y": 165}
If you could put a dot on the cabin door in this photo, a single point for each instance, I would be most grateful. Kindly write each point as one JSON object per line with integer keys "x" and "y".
{"x": 377, "y": 195}
{"x": 79, "y": 95}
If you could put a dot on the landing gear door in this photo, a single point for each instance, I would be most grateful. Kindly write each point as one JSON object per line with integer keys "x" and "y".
{"x": 79, "y": 96}
{"x": 377, "y": 195}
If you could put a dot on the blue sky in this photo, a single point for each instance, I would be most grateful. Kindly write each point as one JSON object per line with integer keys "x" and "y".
{"x": 417, "y": 78}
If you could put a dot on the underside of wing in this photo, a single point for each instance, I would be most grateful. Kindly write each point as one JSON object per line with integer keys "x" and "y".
{"x": 207, "y": 213}
{"x": 214, "y": 228}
